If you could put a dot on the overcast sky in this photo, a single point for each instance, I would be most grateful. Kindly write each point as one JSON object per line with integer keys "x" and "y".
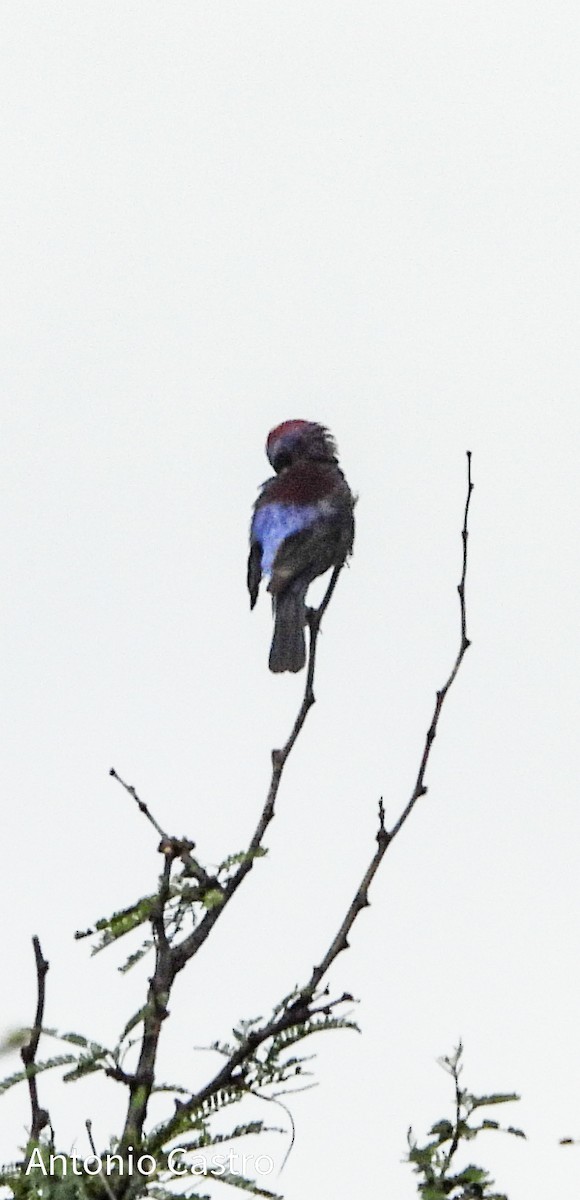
{"x": 215, "y": 217}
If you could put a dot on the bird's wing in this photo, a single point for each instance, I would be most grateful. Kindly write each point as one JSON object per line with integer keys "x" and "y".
{"x": 254, "y": 571}
{"x": 306, "y": 554}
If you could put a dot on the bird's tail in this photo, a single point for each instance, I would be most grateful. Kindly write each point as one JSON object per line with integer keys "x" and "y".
{"x": 288, "y": 650}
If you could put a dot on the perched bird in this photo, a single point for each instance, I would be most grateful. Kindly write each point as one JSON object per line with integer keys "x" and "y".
{"x": 302, "y": 524}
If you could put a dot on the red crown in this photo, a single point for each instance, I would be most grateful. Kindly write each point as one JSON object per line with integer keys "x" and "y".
{"x": 285, "y": 428}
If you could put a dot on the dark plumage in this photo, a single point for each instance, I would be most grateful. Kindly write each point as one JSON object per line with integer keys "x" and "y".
{"x": 302, "y": 525}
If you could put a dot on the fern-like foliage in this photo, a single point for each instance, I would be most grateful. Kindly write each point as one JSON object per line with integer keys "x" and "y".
{"x": 434, "y": 1161}
{"x": 184, "y": 904}
{"x": 261, "y": 1058}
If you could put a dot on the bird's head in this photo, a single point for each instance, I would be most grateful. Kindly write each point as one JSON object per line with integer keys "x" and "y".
{"x": 294, "y": 440}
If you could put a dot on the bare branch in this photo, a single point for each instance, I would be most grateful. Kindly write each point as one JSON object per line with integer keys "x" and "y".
{"x": 102, "y": 1175}
{"x": 192, "y": 943}
{"x": 385, "y": 837}
{"x": 141, "y": 1083}
{"x": 40, "y": 1117}
{"x": 140, "y": 803}
{"x": 420, "y": 788}
{"x": 176, "y": 847}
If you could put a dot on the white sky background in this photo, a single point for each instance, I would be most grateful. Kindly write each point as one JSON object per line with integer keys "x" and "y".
{"x": 216, "y": 217}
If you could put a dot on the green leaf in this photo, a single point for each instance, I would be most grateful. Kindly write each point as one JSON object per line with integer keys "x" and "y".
{"x": 136, "y": 957}
{"x": 246, "y": 1185}
{"x": 242, "y": 856}
{"x": 443, "y": 1130}
{"x": 171, "y": 1087}
{"x": 63, "y": 1060}
{"x": 471, "y": 1174}
{"x": 85, "y": 1066}
{"x": 124, "y": 921}
{"x": 212, "y": 898}
{"x": 76, "y": 1039}
{"x": 516, "y": 1132}
{"x": 131, "y": 1023}
{"x": 495, "y": 1098}
{"x": 14, "y": 1039}
{"x": 434, "y": 1164}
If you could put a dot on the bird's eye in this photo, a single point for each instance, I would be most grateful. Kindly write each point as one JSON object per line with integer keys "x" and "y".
{"x": 282, "y": 459}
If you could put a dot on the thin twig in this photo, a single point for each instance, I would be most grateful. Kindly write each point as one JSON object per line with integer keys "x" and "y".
{"x": 197, "y": 937}
{"x": 176, "y": 847}
{"x": 140, "y": 803}
{"x": 158, "y": 915}
{"x": 40, "y": 1116}
{"x": 276, "y": 1100}
{"x": 280, "y": 757}
{"x": 360, "y": 901}
{"x": 103, "y": 1177}
{"x": 420, "y": 788}
{"x": 384, "y": 836}
{"x": 155, "y": 1012}
{"x": 455, "y": 1071}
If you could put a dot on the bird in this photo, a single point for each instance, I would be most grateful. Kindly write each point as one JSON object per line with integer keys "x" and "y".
{"x": 302, "y": 524}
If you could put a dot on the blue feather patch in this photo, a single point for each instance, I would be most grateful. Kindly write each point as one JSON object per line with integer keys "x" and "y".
{"x": 274, "y": 522}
